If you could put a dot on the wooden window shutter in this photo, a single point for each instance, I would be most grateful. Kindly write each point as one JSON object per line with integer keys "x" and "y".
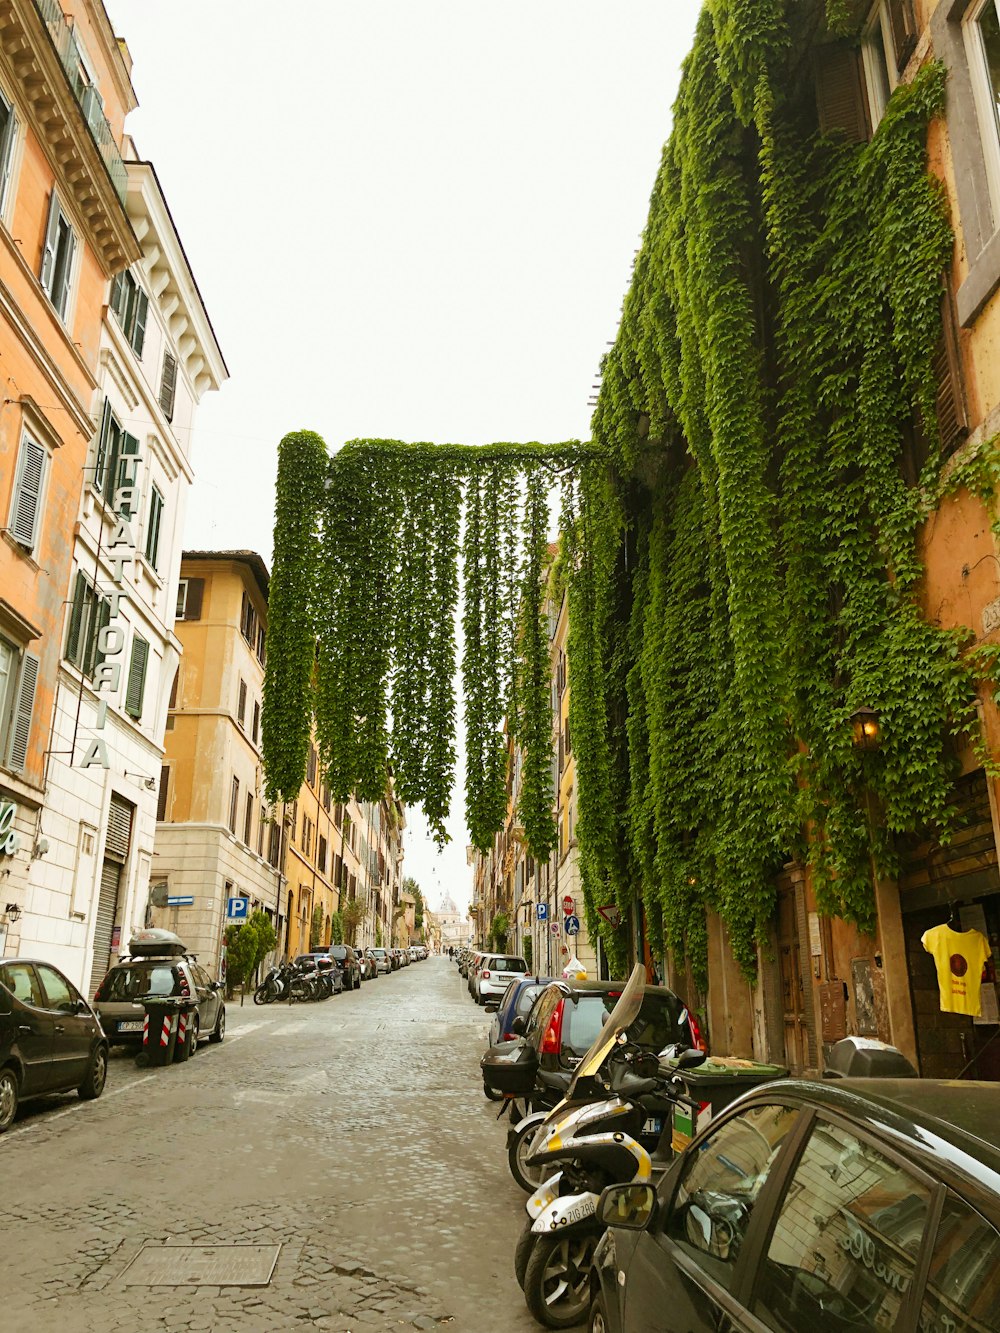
{"x": 100, "y": 619}
{"x": 195, "y": 592}
{"x": 21, "y": 732}
{"x": 103, "y": 446}
{"x": 60, "y": 299}
{"x": 76, "y": 620}
{"x": 137, "y": 677}
{"x": 172, "y": 703}
{"x": 952, "y": 417}
{"x": 903, "y": 22}
{"x": 118, "y": 294}
{"x": 161, "y": 795}
{"x": 27, "y": 493}
{"x": 168, "y": 386}
{"x": 139, "y": 327}
{"x": 840, "y": 93}
{"x": 241, "y": 707}
{"x": 49, "y": 250}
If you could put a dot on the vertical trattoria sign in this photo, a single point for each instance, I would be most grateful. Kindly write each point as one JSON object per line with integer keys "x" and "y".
{"x": 111, "y": 637}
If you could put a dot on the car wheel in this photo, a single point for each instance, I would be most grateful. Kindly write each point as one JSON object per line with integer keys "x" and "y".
{"x": 522, "y": 1253}
{"x": 220, "y": 1026}
{"x": 8, "y": 1098}
{"x": 97, "y": 1075}
{"x": 599, "y": 1322}
{"x": 557, "y": 1278}
{"x": 195, "y": 1032}
{"x": 522, "y": 1143}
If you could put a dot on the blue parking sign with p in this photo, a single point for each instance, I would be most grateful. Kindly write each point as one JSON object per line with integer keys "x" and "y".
{"x": 238, "y": 909}
{"x": 541, "y": 911}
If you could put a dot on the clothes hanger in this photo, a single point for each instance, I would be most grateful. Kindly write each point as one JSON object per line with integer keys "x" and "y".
{"x": 954, "y": 920}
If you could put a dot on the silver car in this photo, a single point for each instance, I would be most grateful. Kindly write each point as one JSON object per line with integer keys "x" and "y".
{"x": 382, "y": 959}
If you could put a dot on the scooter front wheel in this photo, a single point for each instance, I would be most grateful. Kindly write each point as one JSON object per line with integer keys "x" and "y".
{"x": 522, "y": 1253}
{"x": 521, "y": 1145}
{"x": 557, "y": 1278}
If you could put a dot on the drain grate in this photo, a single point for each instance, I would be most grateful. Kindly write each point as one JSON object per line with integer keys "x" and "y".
{"x": 202, "y": 1265}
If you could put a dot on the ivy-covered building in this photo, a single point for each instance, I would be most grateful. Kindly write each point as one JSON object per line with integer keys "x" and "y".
{"x": 783, "y": 637}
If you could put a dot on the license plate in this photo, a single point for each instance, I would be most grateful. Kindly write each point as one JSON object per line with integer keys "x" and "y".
{"x": 133, "y": 1025}
{"x": 654, "y": 1125}
{"x": 585, "y": 1209}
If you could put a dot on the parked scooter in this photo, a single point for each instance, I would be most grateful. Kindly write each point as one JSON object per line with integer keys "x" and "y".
{"x": 273, "y": 987}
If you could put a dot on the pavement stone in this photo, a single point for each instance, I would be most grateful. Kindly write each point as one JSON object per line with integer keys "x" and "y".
{"x": 353, "y": 1133}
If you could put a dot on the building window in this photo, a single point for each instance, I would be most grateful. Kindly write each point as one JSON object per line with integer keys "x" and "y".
{"x": 89, "y": 614}
{"x": 241, "y": 705}
{"x": 161, "y": 795}
{"x": 57, "y": 257}
{"x": 880, "y": 71}
{"x": 8, "y": 138}
{"x": 262, "y": 645}
{"x": 260, "y": 830}
{"x": 117, "y": 458}
{"x": 321, "y": 856}
{"x": 168, "y": 386}
{"x": 249, "y": 623}
{"x": 248, "y": 819}
{"x": 153, "y": 526}
{"x": 18, "y": 679}
{"x": 131, "y": 306}
{"x": 312, "y": 766}
{"x": 234, "y": 801}
{"x": 982, "y": 40}
{"x": 189, "y": 597}
{"x": 255, "y": 730}
{"x": 26, "y": 509}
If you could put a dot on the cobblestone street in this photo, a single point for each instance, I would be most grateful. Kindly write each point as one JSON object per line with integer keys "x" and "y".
{"x": 351, "y": 1133}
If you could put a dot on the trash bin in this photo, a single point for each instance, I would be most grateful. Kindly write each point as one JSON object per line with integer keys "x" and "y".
{"x": 159, "y": 1029}
{"x": 185, "y": 1029}
{"x": 714, "y": 1085}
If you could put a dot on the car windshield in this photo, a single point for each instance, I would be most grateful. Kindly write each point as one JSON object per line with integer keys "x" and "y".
{"x": 655, "y": 1027}
{"x": 138, "y": 980}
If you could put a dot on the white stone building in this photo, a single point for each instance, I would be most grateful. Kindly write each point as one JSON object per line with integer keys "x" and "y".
{"x": 158, "y": 356}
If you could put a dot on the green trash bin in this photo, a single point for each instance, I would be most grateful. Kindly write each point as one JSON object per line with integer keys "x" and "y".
{"x": 715, "y": 1084}
{"x": 159, "y": 1029}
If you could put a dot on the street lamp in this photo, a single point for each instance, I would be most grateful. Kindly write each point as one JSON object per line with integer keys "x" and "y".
{"x": 866, "y": 731}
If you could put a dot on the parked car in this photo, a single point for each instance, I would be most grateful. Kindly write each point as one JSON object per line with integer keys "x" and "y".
{"x": 394, "y": 959}
{"x": 516, "y": 1002}
{"x": 371, "y": 964}
{"x": 474, "y": 967}
{"x": 323, "y": 963}
{"x": 50, "y": 1038}
{"x": 562, "y": 1025}
{"x": 495, "y": 974}
{"x": 826, "y": 1206}
{"x": 414, "y": 952}
{"x": 382, "y": 960}
{"x": 348, "y": 962}
{"x": 157, "y": 964}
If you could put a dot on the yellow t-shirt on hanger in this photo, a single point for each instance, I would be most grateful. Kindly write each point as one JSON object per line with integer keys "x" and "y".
{"x": 959, "y": 956}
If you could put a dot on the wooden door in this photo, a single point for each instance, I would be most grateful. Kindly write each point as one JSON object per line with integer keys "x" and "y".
{"x": 793, "y": 998}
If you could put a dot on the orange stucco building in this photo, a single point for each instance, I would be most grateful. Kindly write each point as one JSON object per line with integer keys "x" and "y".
{"x": 64, "y": 231}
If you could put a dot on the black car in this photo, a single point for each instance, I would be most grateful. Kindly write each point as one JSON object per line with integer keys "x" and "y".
{"x": 561, "y": 1027}
{"x": 825, "y": 1207}
{"x": 50, "y": 1038}
{"x": 348, "y": 962}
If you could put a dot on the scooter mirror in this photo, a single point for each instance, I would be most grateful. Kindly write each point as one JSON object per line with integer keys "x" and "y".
{"x": 518, "y": 1025}
{"x": 690, "y": 1059}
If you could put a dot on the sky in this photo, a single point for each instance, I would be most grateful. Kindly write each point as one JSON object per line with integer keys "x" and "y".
{"x": 412, "y": 219}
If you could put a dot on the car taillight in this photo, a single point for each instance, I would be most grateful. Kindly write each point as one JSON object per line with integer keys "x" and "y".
{"x": 185, "y": 988}
{"x": 485, "y": 975}
{"x": 697, "y": 1040}
{"x": 552, "y": 1041}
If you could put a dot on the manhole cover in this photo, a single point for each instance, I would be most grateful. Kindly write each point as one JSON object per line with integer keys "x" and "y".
{"x": 202, "y": 1265}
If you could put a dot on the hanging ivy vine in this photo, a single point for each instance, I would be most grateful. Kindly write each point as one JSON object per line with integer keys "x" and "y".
{"x": 368, "y": 550}
{"x": 774, "y": 350}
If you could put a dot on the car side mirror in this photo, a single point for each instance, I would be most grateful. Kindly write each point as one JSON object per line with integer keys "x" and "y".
{"x": 491, "y": 1006}
{"x": 81, "y": 1006}
{"x": 519, "y": 1026}
{"x": 628, "y": 1206}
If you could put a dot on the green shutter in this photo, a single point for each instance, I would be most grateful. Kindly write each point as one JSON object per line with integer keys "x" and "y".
{"x": 103, "y": 445}
{"x": 27, "y": 493}
{"x": 100, "y": 617}
{"x": 139, "y": 330}
{"x": 168, "y": 386}
{"x": 126, "y": 468}
{"x": 76, "y": 620}
{"x": 49, "y": 250}
{"x": 117, "y": 293}
{"x": 136, "y": 677}
{"x": 153, "y": 528}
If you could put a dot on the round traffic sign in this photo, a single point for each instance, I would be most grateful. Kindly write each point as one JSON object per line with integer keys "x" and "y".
{"x": 568, "y": 905}
{"x": 572, "y": 925}
{"x": 554, "y": 928}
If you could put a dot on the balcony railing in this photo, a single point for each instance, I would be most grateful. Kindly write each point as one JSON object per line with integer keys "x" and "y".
{"x": 64, "y": 40}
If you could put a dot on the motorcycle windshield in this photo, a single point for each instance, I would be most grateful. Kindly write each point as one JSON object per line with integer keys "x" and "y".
{"x": 621, "y": 1017}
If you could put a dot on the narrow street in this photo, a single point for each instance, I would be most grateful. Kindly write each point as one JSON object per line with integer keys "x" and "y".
{"x": 352, "y": 1133}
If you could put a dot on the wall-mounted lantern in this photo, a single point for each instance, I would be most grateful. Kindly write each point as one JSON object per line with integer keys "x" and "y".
{"x": 866, "y": 730}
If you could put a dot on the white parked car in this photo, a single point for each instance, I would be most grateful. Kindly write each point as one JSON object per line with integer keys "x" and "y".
{"x": 495, "y": 973}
